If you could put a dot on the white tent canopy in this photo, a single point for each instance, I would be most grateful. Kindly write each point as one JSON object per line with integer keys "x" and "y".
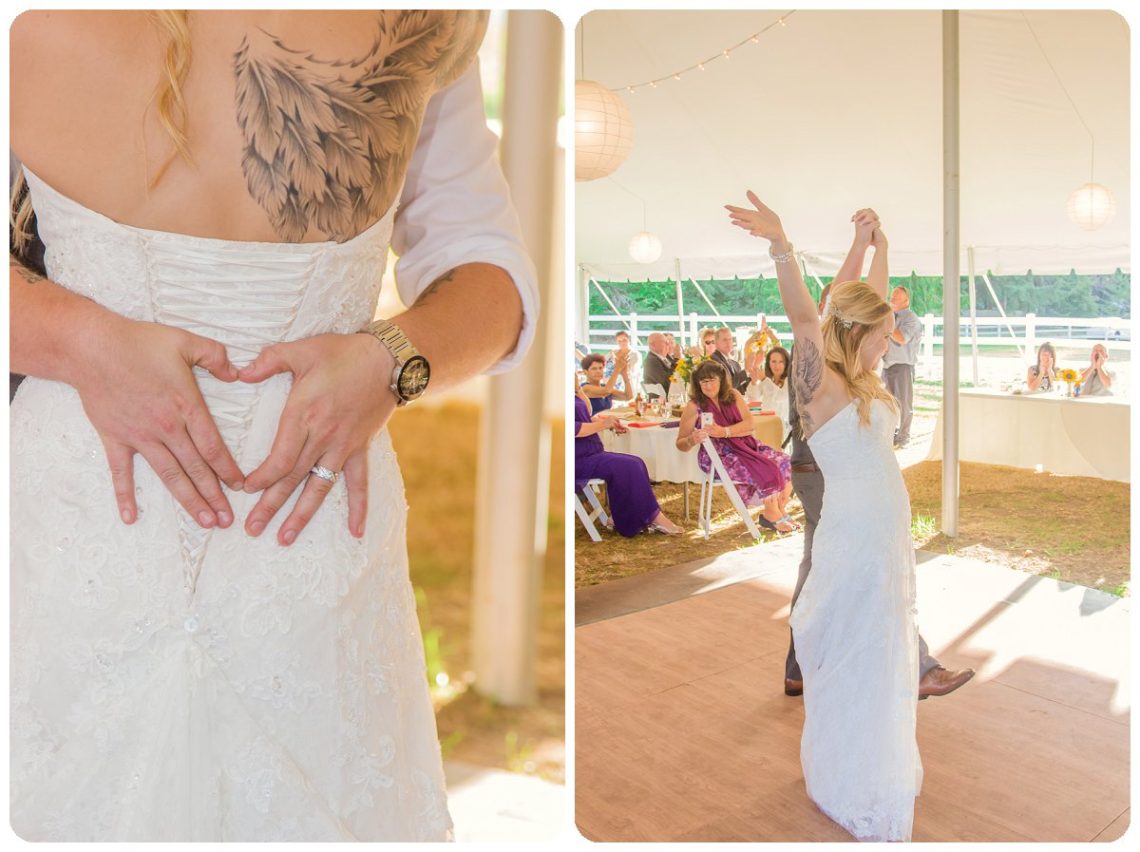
{"x": 841, "y": 110}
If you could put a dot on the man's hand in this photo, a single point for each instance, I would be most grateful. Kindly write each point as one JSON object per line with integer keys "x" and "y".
{"x": 141, "y": 396}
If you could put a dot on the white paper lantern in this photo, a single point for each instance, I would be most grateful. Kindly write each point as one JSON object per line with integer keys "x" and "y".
{"x": 1091, "y": 206}
{"x": 645, "y": 247}
{"x": 603, "y": 131}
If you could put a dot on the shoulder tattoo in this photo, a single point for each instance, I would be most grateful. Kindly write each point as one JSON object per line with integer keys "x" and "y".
{"x": 327, "y": 141}
{"x": 807, "y": 377}
{"x": 29, "y": 275}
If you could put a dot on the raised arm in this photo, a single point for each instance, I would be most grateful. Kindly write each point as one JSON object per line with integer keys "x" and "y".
{"x": 878, "y": 277}
{"x": 852, "y": 269}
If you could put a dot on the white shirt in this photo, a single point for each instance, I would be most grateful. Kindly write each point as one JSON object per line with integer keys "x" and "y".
{"x": 456, "y": 206}
{"x": 771, "y": 397}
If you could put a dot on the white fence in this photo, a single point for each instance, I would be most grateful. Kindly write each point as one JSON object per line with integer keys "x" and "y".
{"x": 1023, "y": 332}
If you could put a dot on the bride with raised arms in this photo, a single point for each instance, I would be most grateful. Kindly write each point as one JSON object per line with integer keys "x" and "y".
{"x": 854, "y": 623}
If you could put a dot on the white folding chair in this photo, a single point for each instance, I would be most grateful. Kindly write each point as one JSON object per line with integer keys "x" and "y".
{"x": 717, "y": 472}
{"x": 595, "y": 512}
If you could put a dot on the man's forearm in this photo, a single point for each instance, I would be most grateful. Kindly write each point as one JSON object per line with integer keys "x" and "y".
{"x": 46, "y": 322}
{"x": 464, "y": 322}
{"x": 852, "y": 268}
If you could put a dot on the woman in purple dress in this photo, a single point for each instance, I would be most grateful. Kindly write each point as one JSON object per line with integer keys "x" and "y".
{"x": 632, "y": 502}
{"x": 763, "y": 475}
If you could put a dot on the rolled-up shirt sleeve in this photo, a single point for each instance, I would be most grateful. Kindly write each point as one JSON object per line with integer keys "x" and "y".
{"x": 456, "y": 207}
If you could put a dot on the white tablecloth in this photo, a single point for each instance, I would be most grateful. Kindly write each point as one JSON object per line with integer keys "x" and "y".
{"x": 657, "y": 447}
{"x": 1086, "y": 436}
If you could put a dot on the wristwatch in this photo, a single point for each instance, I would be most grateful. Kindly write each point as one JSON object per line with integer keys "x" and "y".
{"x": 412, "y": 372}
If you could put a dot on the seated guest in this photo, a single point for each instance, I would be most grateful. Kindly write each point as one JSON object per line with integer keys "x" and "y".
{"x": 763, "y": 476}
{"x": 1042, "y": 377}
{"x": 602, "y": 392}
{"x": 772, "y": 389}
{"x": 623, "y": 351}
{"x": 633, "y": 505}
{"x": 659, "y": 364}
{"x": 737, "y": 376}
{"x": 1096, "y": 380}
{"x": 672, "y": 346}
{"x": 707, "y": 346}
{"x": 755, "y": 355}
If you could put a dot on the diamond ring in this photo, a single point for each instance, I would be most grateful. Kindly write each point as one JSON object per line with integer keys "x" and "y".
{"x": 325, "y": 474}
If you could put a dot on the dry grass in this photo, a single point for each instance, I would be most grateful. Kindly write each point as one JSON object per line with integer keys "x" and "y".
{"x": 437, "y": 448}
{"x": 1068, "y": 527}
{"x": 615, "y": 557}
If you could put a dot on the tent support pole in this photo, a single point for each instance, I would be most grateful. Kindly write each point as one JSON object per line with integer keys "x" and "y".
{"x": 973, "y": 312}
{"x": 1001, "y": 310}
{"x": 680, "y": 304}
{"x": 712, "y": 307}
{"x": 951, "y": 260}
{"x": 614, "y": 308}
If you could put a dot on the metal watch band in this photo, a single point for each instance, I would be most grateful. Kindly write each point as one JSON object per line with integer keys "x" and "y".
{"x": 396, "y": 342}
{"x": 393, "y": 338}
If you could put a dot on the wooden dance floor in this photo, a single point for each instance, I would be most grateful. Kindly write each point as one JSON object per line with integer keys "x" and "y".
{"x": 683, "y": 731}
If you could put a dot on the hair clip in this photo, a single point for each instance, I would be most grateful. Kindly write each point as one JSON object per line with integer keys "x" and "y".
{"x": 831, "y": 309}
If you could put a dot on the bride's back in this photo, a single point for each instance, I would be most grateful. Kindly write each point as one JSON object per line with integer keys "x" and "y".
{"x": 299, "y": 124}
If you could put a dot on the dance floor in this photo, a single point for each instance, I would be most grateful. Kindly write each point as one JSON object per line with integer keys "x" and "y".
{"x": 683, "y": 731}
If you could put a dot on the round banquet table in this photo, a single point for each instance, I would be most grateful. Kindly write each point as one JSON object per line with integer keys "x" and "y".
{"x": 656, "y": 445}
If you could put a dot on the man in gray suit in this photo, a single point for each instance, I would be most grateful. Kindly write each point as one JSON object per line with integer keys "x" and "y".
{"x": 807, "y": 480}
{"x": 900, "y": 360}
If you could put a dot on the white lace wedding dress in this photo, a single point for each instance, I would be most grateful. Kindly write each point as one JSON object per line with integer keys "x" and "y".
{"x": 856, "y": 635}
{"x": 175, "y": 683}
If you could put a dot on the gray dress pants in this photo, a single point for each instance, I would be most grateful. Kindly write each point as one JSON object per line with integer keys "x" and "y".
{"x": 809, "y": 487}
{"x": 899, "y": 379}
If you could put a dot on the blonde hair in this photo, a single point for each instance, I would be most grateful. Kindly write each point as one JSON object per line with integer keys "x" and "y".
{"x": 172, "y": 115}
{"x": 855, "y": 311}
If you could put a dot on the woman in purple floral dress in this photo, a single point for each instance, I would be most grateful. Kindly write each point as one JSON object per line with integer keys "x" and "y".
{"x": 762, "y": 475}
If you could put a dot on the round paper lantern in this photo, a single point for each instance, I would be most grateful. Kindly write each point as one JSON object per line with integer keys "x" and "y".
{"x": 603, "y": 131}
{"x": 1090, "y": 206}
{"x": 645, "y": 247}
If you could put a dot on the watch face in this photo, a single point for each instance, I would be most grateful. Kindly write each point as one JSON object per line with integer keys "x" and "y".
{"x": 414, "y": 377}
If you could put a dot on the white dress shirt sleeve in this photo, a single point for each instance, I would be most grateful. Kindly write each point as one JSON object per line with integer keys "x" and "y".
{"x": 456, "y": 206}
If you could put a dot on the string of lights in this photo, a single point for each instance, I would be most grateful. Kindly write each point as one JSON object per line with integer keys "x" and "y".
{"x": 700, "y": 66}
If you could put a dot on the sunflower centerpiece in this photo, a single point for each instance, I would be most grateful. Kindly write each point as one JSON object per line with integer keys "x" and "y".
{"x": 1070, "y": 377}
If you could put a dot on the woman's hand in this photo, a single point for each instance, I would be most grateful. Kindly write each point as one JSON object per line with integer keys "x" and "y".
{"x": 866, "y": 221}
{"x": 878, "y": 239}
{"x": 140, "y": 394}
{"x": 761, "y": 222}
{"x": 339, "y": 400}
{"x": 698, "y": 436}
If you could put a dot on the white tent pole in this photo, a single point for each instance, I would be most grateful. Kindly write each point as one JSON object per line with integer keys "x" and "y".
{"x": 614, "y": 307}
{"x": 582, "y": 294}
{"x": 810, "y": 271}
{"x": 513, "y": 479}
{"x": 680, "y": 304}
{"x": 973, "y": 312}
{"x": 700, "y": 290}
{"x": 1001, "y": 310}
{"x": 950, "y": 272}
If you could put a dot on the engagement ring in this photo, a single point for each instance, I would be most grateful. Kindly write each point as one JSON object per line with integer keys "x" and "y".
{"x": 325, "y": 474}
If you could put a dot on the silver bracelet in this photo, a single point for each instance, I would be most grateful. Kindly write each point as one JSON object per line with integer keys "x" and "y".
{"x": 786, "y": 257}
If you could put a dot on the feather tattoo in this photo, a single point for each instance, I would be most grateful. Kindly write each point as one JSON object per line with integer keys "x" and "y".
{"x": 807, "y": 376}
{"x": 327, "y": 142}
